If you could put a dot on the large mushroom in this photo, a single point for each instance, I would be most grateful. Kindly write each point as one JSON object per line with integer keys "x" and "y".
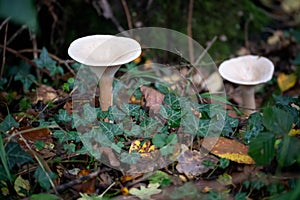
{"x": 104, "y": 54}
{"x": 247, "y": 71}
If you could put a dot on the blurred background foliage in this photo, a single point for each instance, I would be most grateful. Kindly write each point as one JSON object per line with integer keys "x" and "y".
{"x": 59, "y": 22}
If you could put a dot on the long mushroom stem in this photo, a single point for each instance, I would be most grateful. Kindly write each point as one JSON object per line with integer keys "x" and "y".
{"x": 106, "y": 89}
{"x": 248, "y": 99}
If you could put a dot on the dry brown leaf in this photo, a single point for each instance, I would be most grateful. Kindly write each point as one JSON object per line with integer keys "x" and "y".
{"x": 190, "y": 163}
{"x": 87, "y": 187}
{"x": 154, "y": 98}
{"x": 45, "y": 93}
{"x": 231, "y": 150}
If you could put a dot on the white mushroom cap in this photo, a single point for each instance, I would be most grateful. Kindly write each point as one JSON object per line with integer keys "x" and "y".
{"x": 104, "y": 50}
{"x": 247, "y": 70}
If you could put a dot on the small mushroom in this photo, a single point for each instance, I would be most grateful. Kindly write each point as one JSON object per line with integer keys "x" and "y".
{"x": 104, "y": 54}
{"x": 247, "y": 71}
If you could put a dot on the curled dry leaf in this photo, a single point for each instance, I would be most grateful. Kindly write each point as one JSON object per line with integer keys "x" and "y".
{"x": 231, "y": 150}
{"x": 154, "y": 98}
{"x": 190, "y": 163}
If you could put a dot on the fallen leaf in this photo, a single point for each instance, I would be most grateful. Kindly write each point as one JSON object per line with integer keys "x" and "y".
{"x": 294, "y": 132}
{"x": 190, "y": 163}
{"x": 45, "y": 93}
{"x": 21, "y": 186}
{"x": 87, "y": 187}
{"x": 225, "y": 179}
{"x": 145, "y": 193}
{"x": 231, "y": 150}
{"x": 286, "y": 81}
{"x": 154, "y": 98}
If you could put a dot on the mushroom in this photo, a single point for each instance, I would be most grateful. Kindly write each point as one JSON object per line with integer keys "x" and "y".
{"x": 247, "y": 71}
{"x": 104, "y": 54}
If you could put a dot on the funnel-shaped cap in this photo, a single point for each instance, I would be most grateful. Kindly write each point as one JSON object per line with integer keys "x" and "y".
{"x": 104, "y": 50}
{"x": 247, "y": 70}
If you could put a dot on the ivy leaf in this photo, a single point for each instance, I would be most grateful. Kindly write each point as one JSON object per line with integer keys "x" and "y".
{"x": 116, "y": 113}
{"x": 149, "y": 126}
{"x": 45, "y": 61}
{"x": 161, "y": 178}
{"x": 131, "y": 109}
{"x": 89, "y": 113}
{"x": 8, "y": 123}
{"x": 78, "y": 121}
{"x": 16, "y": 155}
{"x": 145, "y": 193}
{"x": 26, "y": 79}
{"x": 172, "y": 100}
{"x": 171, "y": 115}
{"x": 254, "y": 127}
{"x": 261, "y": 148}
{"x": 111, "y": 130}
{"x": 130, "y": 158}
{"x": 277, "y": 120}
{"x": 43, "y": 179}
{"x": 63, "y": 116}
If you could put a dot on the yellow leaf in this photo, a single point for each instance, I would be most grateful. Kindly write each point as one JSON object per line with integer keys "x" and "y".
{"x": 231, "y": 150}
{"x": 286, "y": 81}
{"x": 21, "y": 185}
{"x": 294, "y": 132}
{"x": 135, "y": 146}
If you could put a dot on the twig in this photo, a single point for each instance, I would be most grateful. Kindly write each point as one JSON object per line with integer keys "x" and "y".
{"x": 35, "y": 54}
{"x": 189, "y": 31}
{"x": 108, "y": 14}
{"x": 40, "y": 164}
{"x": 17, "y": 54}
{"x": 4, "y": 22}
{"x": 16, "y": 34}
{"x": 79, "y": 180}
{"x": 4, "y": 50}
{"x": 127, "y": 13}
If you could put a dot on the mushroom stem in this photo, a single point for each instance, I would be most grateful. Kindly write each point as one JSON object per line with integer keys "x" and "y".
{"x": 106, "y": 89}
{"x": 248, "y": 99}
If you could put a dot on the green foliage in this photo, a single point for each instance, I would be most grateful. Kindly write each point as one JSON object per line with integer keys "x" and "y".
{"x": 8, "y": 123}
{"x": 43, "y": 179}
{"x": 270, "y": 139}
{"x": 45, "y": 61}
{"x": 44, "y": 197}
{"x": 161, "y": 178}
{"x": 21, "y": 12}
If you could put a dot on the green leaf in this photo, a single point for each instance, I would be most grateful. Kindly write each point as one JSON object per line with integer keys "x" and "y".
{"x": 223, "y": 163}
{"x": 131, "y": 109}
{"x": 26, "y": 79}
{"x": 15, "y": 155}
{"x": 45, "y": 61}
{"x": 111, "y": 130}
{"x": 43, "y": 179}
{"x": 288, "y": 151}
{"x": 172, "y": 100}
{"x": 161, "y": 178}
{"x": 130, "y": 158}
{"x": 254, "y": 127}
{"x": 44, "y": 197}
{"x": 63, "y": 116}
{"x": 116, "y": 113}
{"x": 149, "y": 127}
{"x": 172, "y": 139}
{"x": 277, "y": 120}
{"x": 166, "y": 150}
{"x": 89, "y": 113}
{"x": 261, "y": 148}
{"x": 8, "y": 123}
{"x": 65, "y": 136}
{"x": 159, "y": 140}
{"x": 173, "y": 117}
{"x": 161, "y": 87}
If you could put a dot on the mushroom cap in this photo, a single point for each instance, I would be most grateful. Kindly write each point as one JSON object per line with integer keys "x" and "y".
{"x": 104, "y": 50}
{"x": 247, "y": 70}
